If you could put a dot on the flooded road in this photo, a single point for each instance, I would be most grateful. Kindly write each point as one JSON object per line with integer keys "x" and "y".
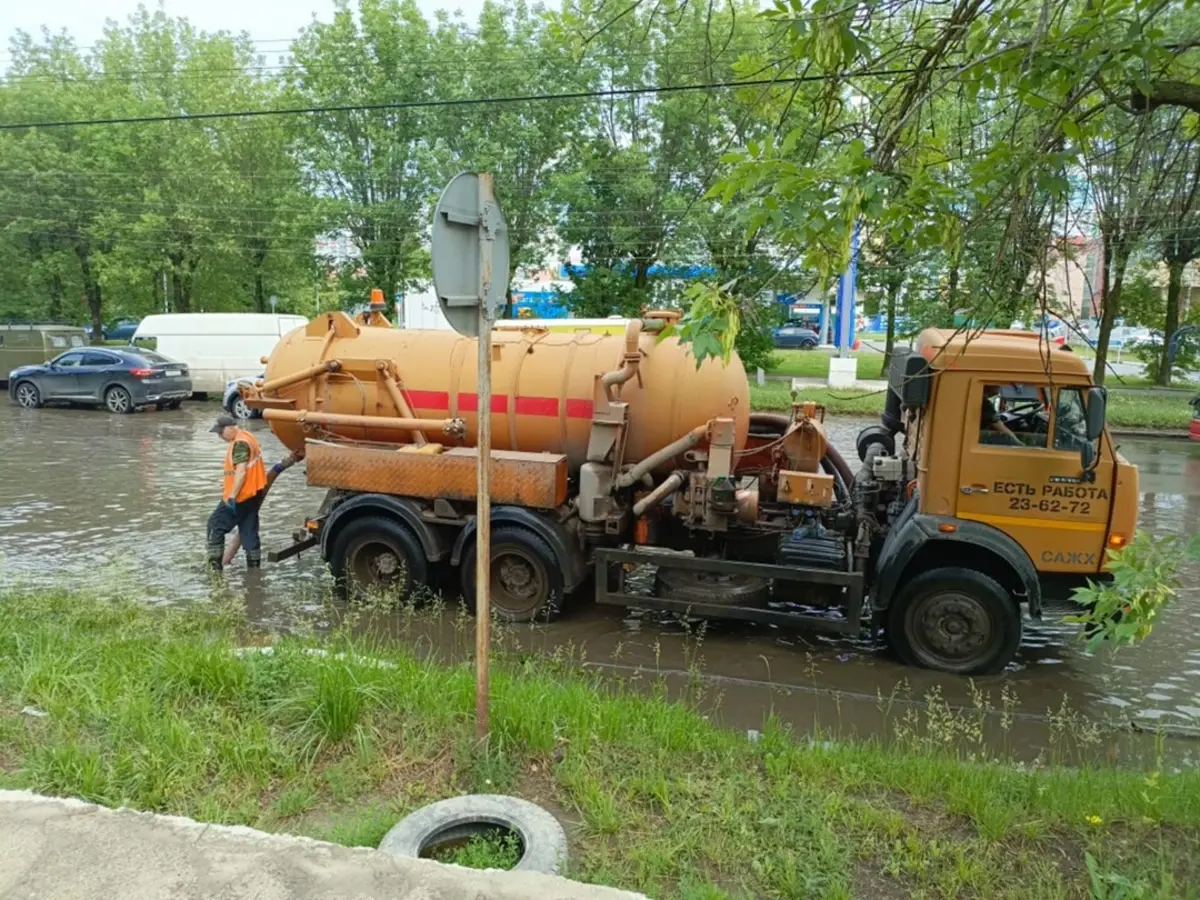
{"x": 121, "y": 501}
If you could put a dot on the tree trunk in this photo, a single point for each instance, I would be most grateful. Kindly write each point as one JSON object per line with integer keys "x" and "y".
{"x": 56, "y": 297}
{"x": 1174, "y": 289}
{"x": 94, "y": 303}
{"x": 91, "y": 290}
{"x": 890, "y": 341}
{"x": 179, "y": 299}
{"x": 157, "y": 289}
{"x": 260, "y": 292}
{"x": 1110, "y": 305}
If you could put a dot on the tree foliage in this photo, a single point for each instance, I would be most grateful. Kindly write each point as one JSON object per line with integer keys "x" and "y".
{"x": 965, "y": 141}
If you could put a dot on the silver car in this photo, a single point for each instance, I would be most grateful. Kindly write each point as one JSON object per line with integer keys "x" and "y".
{"x": 233, "y": 402}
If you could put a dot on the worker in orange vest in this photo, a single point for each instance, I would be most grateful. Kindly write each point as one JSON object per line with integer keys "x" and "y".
{"x": 241, "y": 495}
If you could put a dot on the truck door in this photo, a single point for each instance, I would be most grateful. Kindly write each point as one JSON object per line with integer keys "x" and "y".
{"x": 1021, "y": 472}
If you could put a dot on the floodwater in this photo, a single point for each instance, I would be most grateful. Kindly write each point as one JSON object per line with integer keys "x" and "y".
{"x": 91, "y": 498}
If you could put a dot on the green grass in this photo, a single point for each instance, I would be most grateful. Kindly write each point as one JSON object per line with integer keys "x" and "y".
{"x": 497, "y": 849}
{"x": 1126, "y": 409}
{"x": 777, "y": 395}
{"x": 151, "y": 709}
{"x": 815, "y": 363}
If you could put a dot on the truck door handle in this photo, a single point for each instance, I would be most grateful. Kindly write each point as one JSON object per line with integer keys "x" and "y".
{"x": 973, "y": 489}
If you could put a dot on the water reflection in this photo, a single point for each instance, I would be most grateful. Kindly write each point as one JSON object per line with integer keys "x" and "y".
{"x": 87, "y": 497}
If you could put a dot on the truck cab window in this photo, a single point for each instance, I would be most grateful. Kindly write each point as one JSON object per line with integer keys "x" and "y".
{"x": 1014, "y": 415}
{"x": 1070, "y": 420}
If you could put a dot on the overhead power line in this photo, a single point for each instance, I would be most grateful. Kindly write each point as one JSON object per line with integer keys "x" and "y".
{"x": 464, "y": 101}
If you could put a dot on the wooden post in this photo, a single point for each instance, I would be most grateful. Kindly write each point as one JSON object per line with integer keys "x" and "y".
{"x": 483, "y": 505}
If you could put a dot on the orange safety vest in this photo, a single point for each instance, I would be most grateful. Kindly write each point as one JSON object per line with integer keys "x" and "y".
{"x": 256, "y": 472}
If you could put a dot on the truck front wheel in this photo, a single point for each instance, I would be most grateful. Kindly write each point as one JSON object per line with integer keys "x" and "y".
{"x": 376, "y": 554}
{"x": 955, "y": 620}
{"x": 527, "y": 581}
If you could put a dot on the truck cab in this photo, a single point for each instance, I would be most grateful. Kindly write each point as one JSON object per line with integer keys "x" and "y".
{"x": 1013, "y": 481}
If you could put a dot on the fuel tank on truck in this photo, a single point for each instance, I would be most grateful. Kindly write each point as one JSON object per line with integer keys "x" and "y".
{"x": 544, "y": 385}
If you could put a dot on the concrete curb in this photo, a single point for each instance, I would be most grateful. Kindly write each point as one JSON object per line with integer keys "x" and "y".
{"x": 66, "y": 849}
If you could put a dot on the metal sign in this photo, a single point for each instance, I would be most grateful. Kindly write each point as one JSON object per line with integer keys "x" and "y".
{"x": 469, "y": 252}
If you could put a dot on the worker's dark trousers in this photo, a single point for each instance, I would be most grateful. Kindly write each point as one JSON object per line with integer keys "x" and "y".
{"x": 245, "y": 520}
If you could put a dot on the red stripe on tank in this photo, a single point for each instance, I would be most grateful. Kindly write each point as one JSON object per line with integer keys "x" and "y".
{"x": 525, "y": 406}
{"x": 428, "y": 399}
{"x": 537, "y": 406}
{"x": 469, "y": 403}
{"x": 580, "y": 409}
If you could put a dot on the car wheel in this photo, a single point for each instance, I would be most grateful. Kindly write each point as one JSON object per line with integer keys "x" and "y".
{"x": 28, "y": 395}
{"x": 955, "y": 620}
{"x": 527, "y": 581}
{"x": 239, "y": 408}
{"x": 118, "y": 400}
{"x": 809, "y": 345}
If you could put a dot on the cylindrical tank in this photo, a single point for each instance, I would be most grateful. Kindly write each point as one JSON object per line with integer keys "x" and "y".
{"x": 543, "y": 386}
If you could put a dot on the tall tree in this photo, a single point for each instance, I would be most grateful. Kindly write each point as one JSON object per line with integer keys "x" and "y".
{"x": 517, "y": 51}
{"x": 374, "y": 169}
{"x": 1178, "y": 241}
{"x": 1127, "y": 180}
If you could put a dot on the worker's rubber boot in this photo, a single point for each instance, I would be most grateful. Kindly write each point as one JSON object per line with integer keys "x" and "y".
{"x": 215, "y": 552}
{"x": 253, "y": 560}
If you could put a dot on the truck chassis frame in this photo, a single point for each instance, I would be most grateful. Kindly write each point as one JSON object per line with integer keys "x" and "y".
{"x": 610, "y": 590}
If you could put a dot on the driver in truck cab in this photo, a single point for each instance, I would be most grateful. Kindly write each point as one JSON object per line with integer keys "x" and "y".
{"x": 989, "y": 416}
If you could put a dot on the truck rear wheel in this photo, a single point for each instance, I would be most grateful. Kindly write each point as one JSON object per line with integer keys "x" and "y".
{"x": 955, "y": 620}
{"x": 376, "y": 554}
{"x": 527, "y": 581}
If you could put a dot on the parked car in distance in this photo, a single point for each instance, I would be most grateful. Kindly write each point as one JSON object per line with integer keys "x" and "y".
{"x": 120, "y": 380}
{"x": 217, "y": 347}
{"x": 31, "y": 344}
{"x": 120, "y": 330}
{"x": 233, "y": 402}
{"x": 796, "y": 337}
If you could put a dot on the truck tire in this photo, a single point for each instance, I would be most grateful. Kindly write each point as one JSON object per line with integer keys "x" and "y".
{"x": 955, "y": 620}
{"x": 371, "y": 554}
{"x": 527, "y": 583}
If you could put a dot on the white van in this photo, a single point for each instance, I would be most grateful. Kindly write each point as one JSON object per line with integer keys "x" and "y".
{"x": 217, "y": 347}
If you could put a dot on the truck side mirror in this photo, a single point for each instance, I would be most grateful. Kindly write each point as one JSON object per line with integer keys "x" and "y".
{"x": 1096, "y": 409}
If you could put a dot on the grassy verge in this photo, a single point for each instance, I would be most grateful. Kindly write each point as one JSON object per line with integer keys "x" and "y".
{"x": 815, "y": 363}
{"x": 1125, "y": 409}
{"x": 153, "y": 710}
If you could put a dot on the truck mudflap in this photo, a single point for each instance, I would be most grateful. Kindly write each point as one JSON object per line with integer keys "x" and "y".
{"x": 954, "y": 538}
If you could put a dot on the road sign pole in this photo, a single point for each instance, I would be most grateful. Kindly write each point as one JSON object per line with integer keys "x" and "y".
{"x": 469, "y": 254}
{"x": 483, "y": 442}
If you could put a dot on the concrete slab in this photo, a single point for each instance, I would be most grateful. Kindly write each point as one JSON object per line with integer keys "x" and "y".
{"x": 67, "y": 849}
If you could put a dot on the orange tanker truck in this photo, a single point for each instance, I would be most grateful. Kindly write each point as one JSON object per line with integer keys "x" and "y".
{"x": 990, "y": 487}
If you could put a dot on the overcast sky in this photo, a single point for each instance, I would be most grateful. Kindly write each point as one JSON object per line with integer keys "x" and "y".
{"x": 264, "y": 20}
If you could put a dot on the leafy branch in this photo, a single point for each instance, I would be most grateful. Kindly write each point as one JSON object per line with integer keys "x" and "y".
{"x": 1145, "y": 581}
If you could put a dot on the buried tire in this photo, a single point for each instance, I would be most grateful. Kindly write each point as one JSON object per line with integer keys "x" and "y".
{"x": 955, "y": 620}
{"x": 375, "y": 554}
{"x": 542, "y": 839}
